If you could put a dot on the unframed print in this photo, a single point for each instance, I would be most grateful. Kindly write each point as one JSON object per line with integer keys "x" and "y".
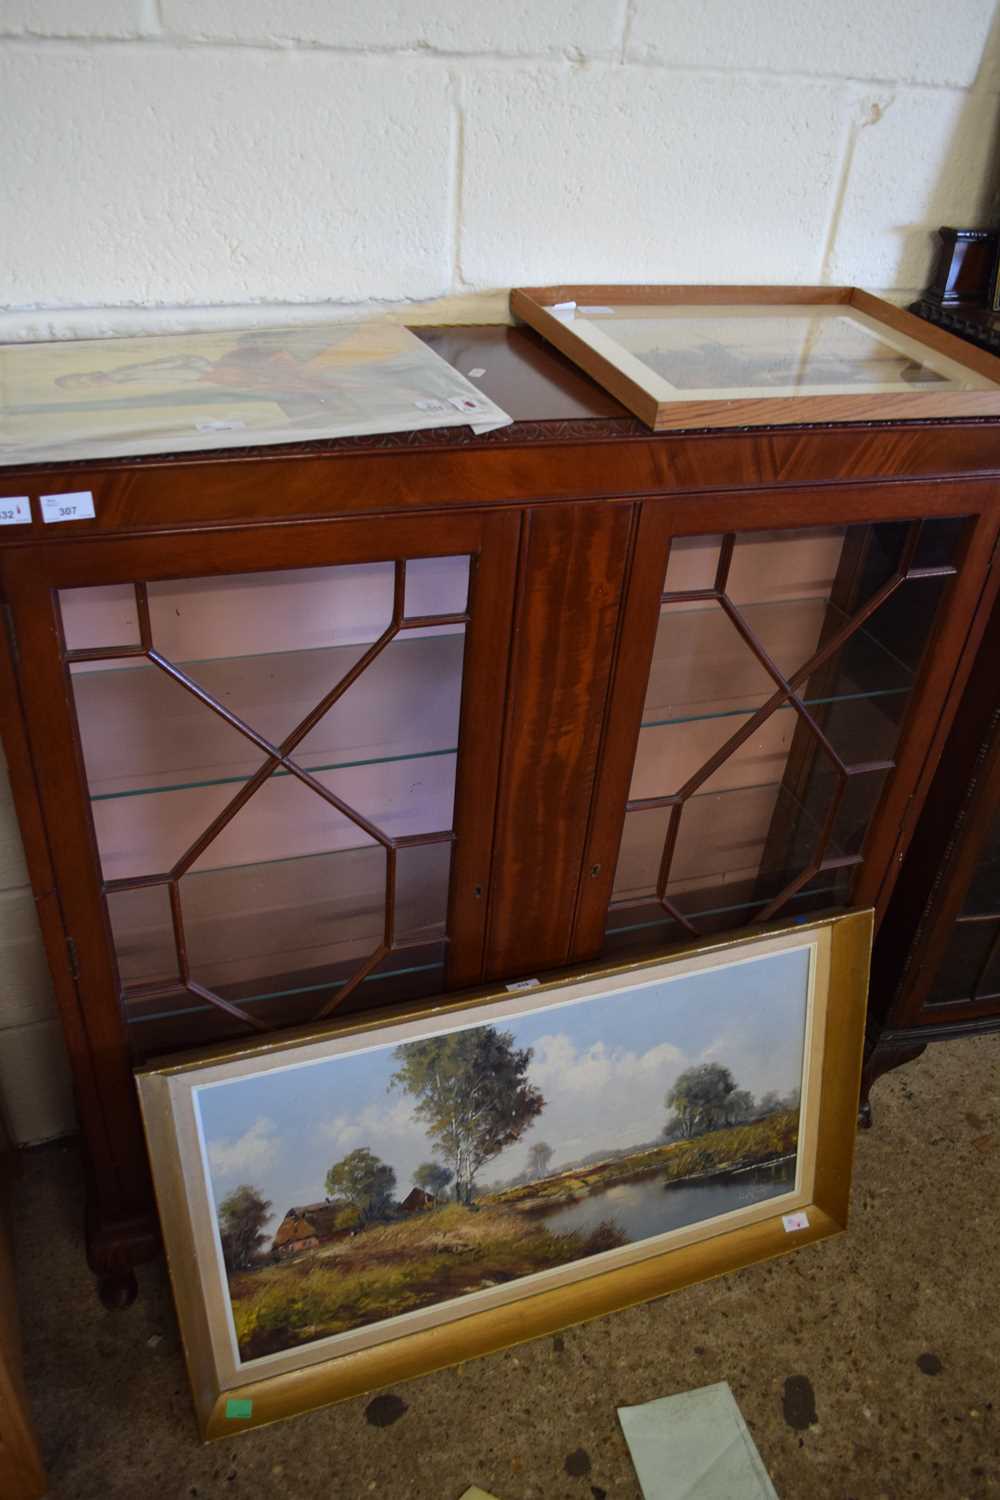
{"x": 100, "y": 398}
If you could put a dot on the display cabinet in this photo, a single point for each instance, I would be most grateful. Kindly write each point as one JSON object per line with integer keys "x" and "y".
{"x": 299, "y": 731}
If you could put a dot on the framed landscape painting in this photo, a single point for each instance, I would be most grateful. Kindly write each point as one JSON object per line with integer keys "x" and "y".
{"x": 403, "y": 1191}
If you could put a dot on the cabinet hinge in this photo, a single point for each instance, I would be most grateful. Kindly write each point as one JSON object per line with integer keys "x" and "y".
{"x": 8, "y": 619}
{"x": 74, "y": 962}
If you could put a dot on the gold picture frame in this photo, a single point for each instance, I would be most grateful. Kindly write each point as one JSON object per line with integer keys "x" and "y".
{"x": 726, "y": 1184}
{"x": 683, "y": 357}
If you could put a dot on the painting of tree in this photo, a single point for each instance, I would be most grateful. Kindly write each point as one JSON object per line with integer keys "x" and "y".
{"x": 472, "y": 1094}
{"x": 539, "y": 1158}
{"x": 698, "y": 1098}
{"x": 363, "y": 1180}
{"x": 433, "y": 1178}
{"x": 242, "y": 1216}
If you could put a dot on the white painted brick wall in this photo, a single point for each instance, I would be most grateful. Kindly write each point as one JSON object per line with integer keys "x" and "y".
{"x": 171, "y": 163}
{"x": 184, "y": 163}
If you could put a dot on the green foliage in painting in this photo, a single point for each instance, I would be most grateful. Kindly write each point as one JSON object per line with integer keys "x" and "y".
{"x": 365, "y": 1181}
{"x": 433, "y": 1178}
{"x": 242, "y": 1216}
{"x": 472, "y": 1094}
{"x": 699, "y": 1098}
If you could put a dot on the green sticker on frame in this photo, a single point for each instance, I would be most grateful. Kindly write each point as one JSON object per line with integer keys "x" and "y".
{"x": 238, "y": 1409}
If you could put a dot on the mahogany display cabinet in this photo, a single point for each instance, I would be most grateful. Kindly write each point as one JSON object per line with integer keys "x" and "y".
{"x": 304, "y": 730}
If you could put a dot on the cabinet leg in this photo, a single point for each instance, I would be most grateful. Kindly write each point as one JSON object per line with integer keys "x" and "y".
{"x": 114, "y": 1248}
{"x": 882, "y": 1058}
{"x": 117, "y": 1289}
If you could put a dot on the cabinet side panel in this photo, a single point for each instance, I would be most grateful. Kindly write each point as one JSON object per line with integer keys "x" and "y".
{"x": 573, "y": 566}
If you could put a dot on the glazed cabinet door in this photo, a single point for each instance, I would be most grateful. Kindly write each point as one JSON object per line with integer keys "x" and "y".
{"x": 777, "y": 704}
{"x": 267, "y": 762}
{"x": 937, "y": 962}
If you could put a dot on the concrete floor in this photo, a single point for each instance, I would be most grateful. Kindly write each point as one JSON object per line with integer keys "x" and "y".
{"x": 866, "y": 1367}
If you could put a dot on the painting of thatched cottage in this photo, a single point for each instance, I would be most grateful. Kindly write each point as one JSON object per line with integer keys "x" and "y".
{"x": 417, "y": 1200}
{"x": 305, "y": 1228}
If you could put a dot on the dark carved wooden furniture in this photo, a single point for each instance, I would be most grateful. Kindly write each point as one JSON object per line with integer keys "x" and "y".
{"x": 318, "y": 728}
{"x": 962, "y": 295}
{"x": 936, "y": 964}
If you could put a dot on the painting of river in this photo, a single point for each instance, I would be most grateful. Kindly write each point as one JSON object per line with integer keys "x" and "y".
{"x": 642, "y": 1209}
{"x": 408, "y": 1171}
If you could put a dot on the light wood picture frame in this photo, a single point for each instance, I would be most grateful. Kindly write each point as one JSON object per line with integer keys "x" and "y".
{"x": 684, "y": 357}
{"x": 652, "y": 1125}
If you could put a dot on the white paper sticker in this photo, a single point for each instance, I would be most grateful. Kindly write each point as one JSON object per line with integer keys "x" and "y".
{"x": 799, "y": 1220}
{"x": 78, "y": 506}
{"x": 15, "y": 510}
{"x": 219, "y": 426}
{"x": 476, "y": 373}
{"x": 591, "y": 310}
{"x": 524, "y": 984}
{"x": 563, "y": 307}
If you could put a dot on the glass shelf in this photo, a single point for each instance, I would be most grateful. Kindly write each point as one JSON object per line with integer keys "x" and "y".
{"x": 282, "y": 820}
{"x": 703, "y": 669}
{"x": 251, "y": 925}
{"x": 754, "y": 840}
{"x": 174, "y": 1017}
{"x": 144, "y": 733}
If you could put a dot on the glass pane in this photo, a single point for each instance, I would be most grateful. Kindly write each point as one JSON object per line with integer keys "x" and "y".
{"x": 147, "y": 835}
{"x": 983, "y": 894}
{"x": 702, "y": 665}
{"x": 98, "y": 618}
{"x": 144, "y": 935}
{"x": 965, "y": 959}
{"x": 253, "y": 614}
{"x": 841, "y": 614}
{"x": 143, "y": 732}
{"x": 692, "y": 564}
{"x": 281, "y": 891}
{"x": 291, "y": 924}
{"x": 405, "y": 704}
{"x": 988, "y": 987}
{"x": 670, "y": 754}
{"x": 436, "y": 586}
{"x": 642, "y": 926}
{"x": 283, "y": 918}
{"x": 769, "y": 567}
{"x": 745, "y": 843}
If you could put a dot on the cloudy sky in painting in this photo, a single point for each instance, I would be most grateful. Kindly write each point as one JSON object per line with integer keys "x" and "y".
{"x": 603, "y": 1066}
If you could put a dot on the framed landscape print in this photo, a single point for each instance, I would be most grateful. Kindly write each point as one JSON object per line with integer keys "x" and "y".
{"x": 352, "y": 1207}
{"x": 744, "y": 356}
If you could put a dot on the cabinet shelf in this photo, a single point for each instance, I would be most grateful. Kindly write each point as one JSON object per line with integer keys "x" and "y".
{"x": 703, "y": 669}
{"x": 143, "y": 733}
{"x": 752, "y": 839}
{"x": 252, "y": 927}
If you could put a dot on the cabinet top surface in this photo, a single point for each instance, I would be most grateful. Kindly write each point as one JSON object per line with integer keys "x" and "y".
{"x": 548, "y": 397}
{"x": 570, "y": 440}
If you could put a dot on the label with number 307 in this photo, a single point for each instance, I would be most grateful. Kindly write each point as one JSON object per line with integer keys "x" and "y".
{"x": 78, "y": 506}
